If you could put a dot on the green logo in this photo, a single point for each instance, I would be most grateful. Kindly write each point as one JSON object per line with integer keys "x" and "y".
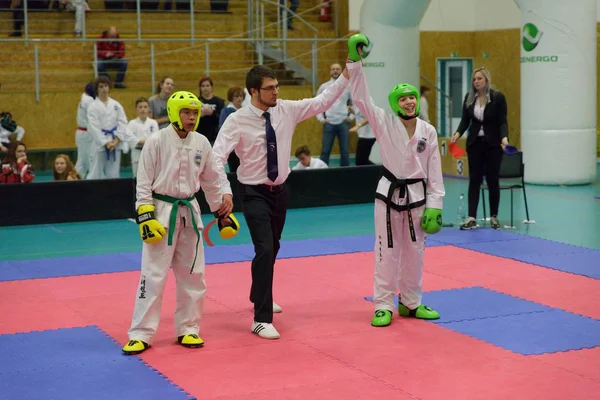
{"x": 530, "y": 36}
{"x": 376, "y": 64}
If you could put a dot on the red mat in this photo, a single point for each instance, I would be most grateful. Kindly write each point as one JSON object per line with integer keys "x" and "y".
{"x": 585, "y": 362}
{"x": 328, "y": 349}
{"x": 431, "y": 362}
{"x": 542, "y": 285}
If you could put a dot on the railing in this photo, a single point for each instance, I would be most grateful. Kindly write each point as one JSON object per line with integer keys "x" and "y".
{"x": 256, "y": 17}
{"x": 40, "y": 69}
{"x": 38, "y": 66}
{"x": 186, "y": 21}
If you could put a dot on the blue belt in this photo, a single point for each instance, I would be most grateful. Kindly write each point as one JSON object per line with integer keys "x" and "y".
{"x": 110, "y": 132}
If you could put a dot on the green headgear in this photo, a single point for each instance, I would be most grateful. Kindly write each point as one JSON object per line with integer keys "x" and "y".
{"x": 401, "y": 90}
{"x": 179, "y": 101}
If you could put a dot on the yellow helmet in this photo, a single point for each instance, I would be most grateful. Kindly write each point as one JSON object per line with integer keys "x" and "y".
{"x": 179, "y": 101}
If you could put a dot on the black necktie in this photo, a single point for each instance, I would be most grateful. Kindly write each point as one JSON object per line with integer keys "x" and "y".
{"x": 272, "y": 168}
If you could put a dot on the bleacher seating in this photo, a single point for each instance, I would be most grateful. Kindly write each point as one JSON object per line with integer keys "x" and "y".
{"x": 65, "y": 66}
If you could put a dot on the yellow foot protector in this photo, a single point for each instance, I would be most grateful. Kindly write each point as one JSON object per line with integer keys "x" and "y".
{"x": 191, "y": 340}
{"x": 135, "y": 346}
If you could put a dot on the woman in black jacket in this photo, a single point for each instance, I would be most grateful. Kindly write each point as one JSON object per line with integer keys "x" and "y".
{"x": 484, "y": 113}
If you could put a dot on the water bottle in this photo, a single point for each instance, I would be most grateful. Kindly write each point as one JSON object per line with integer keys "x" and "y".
{"x": 461, "y": 215}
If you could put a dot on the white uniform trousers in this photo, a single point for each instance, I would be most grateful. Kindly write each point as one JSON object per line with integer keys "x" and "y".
{"x": 399, "y": 268}
{"x": 103, "y": 168}
{"x": 191, "y": 288}
{"x": 83, "y": 142}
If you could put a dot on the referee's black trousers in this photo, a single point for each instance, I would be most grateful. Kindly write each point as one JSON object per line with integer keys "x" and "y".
{"x": 264, "y": 210}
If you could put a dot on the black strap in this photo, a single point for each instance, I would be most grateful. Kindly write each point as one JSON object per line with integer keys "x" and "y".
{"x": 402, "y": 185}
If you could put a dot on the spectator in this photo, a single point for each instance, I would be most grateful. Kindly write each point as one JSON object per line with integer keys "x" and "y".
{"x": 8, "y": 127}
{"x": 211, "y": 110}
{"x": 158, "y": 102}
{"x": 290, "y": 15}
{"x": 107, "y": 126}
{"x": 19, "y": 14}
{"x": 82, "y": 137}
{"x": 15, "y": 167}
{"x": 64, "y": 169}
{"x": 305, "y": 161}
{"x": 336, "y": 121}
{"x": 141, "y": 127}
{"x": 485, "y": 115}
{"x": 80, "y": 7}
{"x": 111, "y": 55}
{"x": 235, "y": 96}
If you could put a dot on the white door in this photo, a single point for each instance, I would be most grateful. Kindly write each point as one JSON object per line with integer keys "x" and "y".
{"x": 454, "y": 78}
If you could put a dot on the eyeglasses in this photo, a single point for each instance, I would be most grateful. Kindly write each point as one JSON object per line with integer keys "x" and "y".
{"x": 270, "y": 88}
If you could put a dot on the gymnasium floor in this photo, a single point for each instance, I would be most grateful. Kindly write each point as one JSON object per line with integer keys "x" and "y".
{"x": 520, "y": 312}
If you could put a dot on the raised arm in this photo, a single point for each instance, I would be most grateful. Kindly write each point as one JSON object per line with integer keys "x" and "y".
{"x": 227, "y": 139}
{"x": 308, "y": 108}
{"x": 361, "y": 98}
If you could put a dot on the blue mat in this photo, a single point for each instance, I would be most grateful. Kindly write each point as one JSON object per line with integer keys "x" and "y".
{"x": 586, "y": 263}
{"x": 68, "y": 266}
{"x": 545, "y": 253}
{"x": 130, "y": 261}
{"x": 477, "y": 303}
{"x": 535, "y": 333}
{"x": 474, "y": 303}
{"x": 512, "y": 323}
{"x": 76, "y": 363}
{"x": 457, "y": 237}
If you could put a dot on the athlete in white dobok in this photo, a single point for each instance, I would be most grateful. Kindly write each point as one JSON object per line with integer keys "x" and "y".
{"x": 175, "y": 163}
{"x": 411, "y": 189}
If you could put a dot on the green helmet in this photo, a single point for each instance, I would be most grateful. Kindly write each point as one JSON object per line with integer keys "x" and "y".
{"x": 401, "y": 90}
{"x": 177, "y": 102}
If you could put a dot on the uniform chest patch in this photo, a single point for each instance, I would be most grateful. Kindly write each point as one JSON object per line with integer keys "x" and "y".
{"x": 198, "y": 159}
{"x": 421, "y": 145}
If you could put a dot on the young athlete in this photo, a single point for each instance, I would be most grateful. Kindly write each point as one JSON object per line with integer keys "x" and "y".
{"x": 107, "y": 126}
{"x": 82, "y": 137}
{"x": 141, "y": 127}
{"x": 174, "y": 164}
{"x": 411, "y": 189}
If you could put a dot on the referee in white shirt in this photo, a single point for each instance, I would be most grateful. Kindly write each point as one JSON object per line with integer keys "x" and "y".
{"x": 261, "y": 135}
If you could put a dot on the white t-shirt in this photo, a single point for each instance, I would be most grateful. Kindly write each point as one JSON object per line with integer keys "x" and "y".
{"x": 314, "y": 164}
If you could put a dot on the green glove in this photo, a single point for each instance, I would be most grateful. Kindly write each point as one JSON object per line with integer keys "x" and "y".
{"x": 358, "y": 41}
{"x": 432, "y": 220}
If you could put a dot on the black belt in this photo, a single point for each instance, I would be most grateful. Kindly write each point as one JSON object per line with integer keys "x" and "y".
{"x": 401, "y": 184}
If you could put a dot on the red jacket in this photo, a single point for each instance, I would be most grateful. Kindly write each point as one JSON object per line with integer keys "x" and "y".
{"x": 115, "y": 46}
{"x": 22, "y": 174}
